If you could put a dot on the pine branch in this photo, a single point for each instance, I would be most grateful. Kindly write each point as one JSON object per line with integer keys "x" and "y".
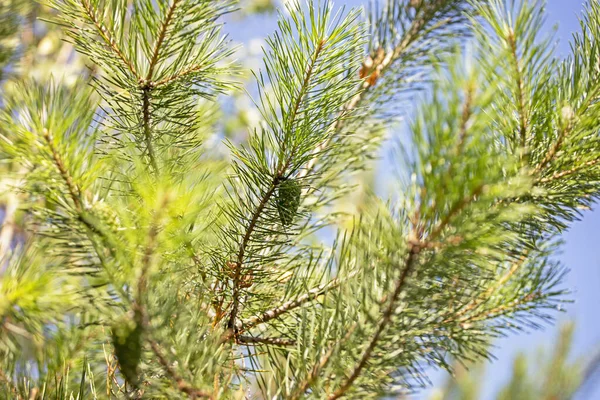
{"x": 147, "y": 131}
{"x": 318, "y": 368}
{"x": 553, "y": 150}
{"x": 375, "y": 66}
{"x": 295, "y": 129}
{"x": 290, "y": 305}
{"x": 182, "y": 385}
{"x": 148, "y": 84}
{"x": 74, "y": 191}
{"x": 179, "y": 75}
{"x": 516, "y": 62}
{"x": 251, "y": 340}
{"x": 386, "y": 317}
{"x": 164, "y": 26}
{"x": 415, "y": 245}
{"x": 108, "y": 39}
{"x": 488, "y": 293}
{"x": 575, "y": 169}
{"x": 242, "y": 250}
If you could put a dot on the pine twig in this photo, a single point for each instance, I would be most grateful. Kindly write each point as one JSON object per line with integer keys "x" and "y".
{"x": 282, "y": 166}
{"x": 415, "y": 245}
{"x": 108, "y": 39}
{"x": 491, "y": 290}
{"x": 413, "y": 251}
{"x": 147, "y": 129}
{"x": 179, "y": 75}
{"x": 164, "y": 26}
{"x": 74, "y": 191}
{"x": 182, "y": 385}
{"x": 317, "y": 368}
{"x": 571, "y": 171}
{"x": 516, "y": 62}
{"x": 251, "y": 340}
{"x": 147, "y": 85}
{"x": 290, "y": 305}
{"x": 378, "y": 66}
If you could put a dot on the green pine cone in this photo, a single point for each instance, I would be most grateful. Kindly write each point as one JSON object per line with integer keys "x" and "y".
{"x": 288, "y": 200}
{"x": 127, "y": 341}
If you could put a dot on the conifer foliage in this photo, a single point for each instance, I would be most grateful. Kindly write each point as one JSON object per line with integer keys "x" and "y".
{"x": 152, "y": 268}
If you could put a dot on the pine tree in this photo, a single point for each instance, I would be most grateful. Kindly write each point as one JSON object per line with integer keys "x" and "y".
{"x": 154, "y": 268}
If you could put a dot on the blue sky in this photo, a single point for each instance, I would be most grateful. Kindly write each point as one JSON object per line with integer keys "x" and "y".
{"x": 581, "y": 252}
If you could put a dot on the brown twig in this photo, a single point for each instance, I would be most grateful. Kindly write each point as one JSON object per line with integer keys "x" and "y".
{"x": 161, "y": 38}
{"x": 108, "y": 39}
{"x": 146, "y": 85}
{"x": 283, "y": 164}
{"x": 251, "y": 340}
{"x": 307, "y": 297}
{"x": 413, "y": 251}
{"x": 179, "y": 75}
{"x": 491, "y": 290}
{"x": 74, "y": 191}
{"x": 456, "y": 208}
{"x": 373, "y": 68}
{"x": 484, "y": 314}
{"x": 147, "y": 126}
{"x": 415, "y": 245}
{"x": 182, "y": 384}
{"x": 571, "y": 171}
{"x": 140, "y": 307}
{"x": 317, "y": 368}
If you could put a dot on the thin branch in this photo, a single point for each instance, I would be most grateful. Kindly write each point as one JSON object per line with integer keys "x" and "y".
{"x": 516, "y": 62}
{"x": 147, "y": 261}
{"x": 142, "y": 288}
{"x": 161, "y": 38}
{"x": 377, "y": 68}
{"x": 553, "y": 150}
{"x": 147, "y": 85}
{"x": 456, "y": 208}
{"x": 317, "y": 368}
{"x": 75, "y": 194}
{"x": 242, "y": 251}
{"x": 251, "y": 340}
{"x": 74, "y": 191}
{"x": 283, "y": 164}
{"x": 108, "y": 39}
{"x": 413, "y": 251}
{"x": 147, "y": 130}
{"x": 498, "y": 310}
{"x": 301, "y": 94}
{"x": 415, "y": 246}
{"x": 292, "y": 304}
{"x": 179, "y": 75}
{"x": 491, "y": 290}
{"x": 182, "y": 385}
{"x": 571, "y": 171}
